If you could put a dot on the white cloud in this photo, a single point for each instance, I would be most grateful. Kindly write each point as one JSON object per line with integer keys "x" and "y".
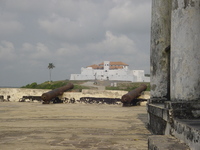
{"x": 9, "y": 23}
{"x": 77, "y": 30}
{"x": 68, "y": 50}
{"x": 75, "y": 21}
{"x": 114, "y": 45}
{"x": 128, "y": 16}
{"x": 41, "y": 51}
{"x": 7, "y": 51}
{"x": 34, "y": 53}
{"x": 9, "y": 26}
{"x": 26, "y": 47}
{"x": 24, "y": 6}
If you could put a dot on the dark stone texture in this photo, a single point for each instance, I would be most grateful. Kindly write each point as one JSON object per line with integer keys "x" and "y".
{"x": 185, "y": 110}
{"x": 157, "y": 125}
{"x": 158, "y": 100}
{"x": 188, "y": 130}
{"x": 162, "y": 142}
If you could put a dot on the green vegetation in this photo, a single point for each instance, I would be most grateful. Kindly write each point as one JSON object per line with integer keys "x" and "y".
{"x": 54, "y": 85}
{"x": 125, "y": 86}
{"x": 128, "y": 86}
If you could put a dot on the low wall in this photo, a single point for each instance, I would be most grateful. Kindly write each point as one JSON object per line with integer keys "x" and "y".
{"x": 16, "y": 93}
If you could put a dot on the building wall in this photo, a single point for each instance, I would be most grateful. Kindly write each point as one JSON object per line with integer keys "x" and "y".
{"x": 139, "y": 75}
{"x": 106, "y": 74}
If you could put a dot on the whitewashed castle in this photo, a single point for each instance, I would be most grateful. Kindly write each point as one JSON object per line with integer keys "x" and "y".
{"x": 107, "y": 70}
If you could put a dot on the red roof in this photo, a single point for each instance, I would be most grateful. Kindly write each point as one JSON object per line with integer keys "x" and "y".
{"x": 113, "y": 65}
{"x": 116, "y": 67}
{"x": 96, "y": 66}
{"x": 116, "y": 63}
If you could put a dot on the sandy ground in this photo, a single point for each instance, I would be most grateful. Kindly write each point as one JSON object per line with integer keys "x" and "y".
{"x": 36, "y": 126}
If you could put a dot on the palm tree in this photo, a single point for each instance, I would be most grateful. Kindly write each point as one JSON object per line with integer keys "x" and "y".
{"x": 50, "y": 66}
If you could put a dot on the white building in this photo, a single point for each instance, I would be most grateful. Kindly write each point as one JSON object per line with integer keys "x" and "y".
{"x": 110, "y": 71}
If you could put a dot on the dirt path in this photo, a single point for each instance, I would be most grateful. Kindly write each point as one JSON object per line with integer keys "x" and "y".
{"x": 35, "y": 126}
{"x": 91, "y": 84}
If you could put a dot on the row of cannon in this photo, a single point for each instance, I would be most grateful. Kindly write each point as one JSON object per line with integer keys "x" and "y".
{"x": 128, "y": 99}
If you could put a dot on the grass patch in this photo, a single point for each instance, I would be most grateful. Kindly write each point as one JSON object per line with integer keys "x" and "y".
{"x": 128, "y": 86}
{"x": 56, "y": 84}
{"x": 124, "y": 86}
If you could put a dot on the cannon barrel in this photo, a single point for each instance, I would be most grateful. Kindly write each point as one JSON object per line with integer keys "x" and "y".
{"x": 48, "y": 96}
{"x": 130, "y": 96}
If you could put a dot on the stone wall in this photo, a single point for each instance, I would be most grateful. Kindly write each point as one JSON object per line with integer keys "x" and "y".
{"x": 174, "y": 106}
{"x": 185, "y": 53}
{"x": 160, "y": 41}
{"x": 16, "y": 93}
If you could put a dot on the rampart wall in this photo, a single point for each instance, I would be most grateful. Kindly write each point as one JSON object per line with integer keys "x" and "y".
{"x": 15, "y": 94}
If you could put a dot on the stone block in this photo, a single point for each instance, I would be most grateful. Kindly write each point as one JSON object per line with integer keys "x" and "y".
{"x": 163, "y": 142}
{"x": 188, "y": 131}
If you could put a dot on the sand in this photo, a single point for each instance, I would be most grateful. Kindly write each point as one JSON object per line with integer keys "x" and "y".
{"x": 36, "y": 126}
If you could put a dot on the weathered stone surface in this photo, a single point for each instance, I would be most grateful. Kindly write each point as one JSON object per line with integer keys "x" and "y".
{"x": 185, "y": 109}
{"x": 185, "y": 53}
{"x": 176, "y": 119}
{"x": 159, "y": 118}
{"x": 160, "y": 40}
{"x": 163, "y": 142}
{"x": 174, "y": 107}
{"x": 188, "y": 131}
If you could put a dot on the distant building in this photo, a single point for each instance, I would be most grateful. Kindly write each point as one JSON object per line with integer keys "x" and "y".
{"x": 110, "y": 71}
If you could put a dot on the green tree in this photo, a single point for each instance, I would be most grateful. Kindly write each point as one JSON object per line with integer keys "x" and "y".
{"x": 50, "y": 66}
{"x": 33, "y": 85}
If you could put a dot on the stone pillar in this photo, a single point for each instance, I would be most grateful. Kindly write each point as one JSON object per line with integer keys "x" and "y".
{"x": 160, "y": 53}
{"x": 185, "y": 50}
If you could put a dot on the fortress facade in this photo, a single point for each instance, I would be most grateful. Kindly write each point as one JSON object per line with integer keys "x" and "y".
{"x": 107, "y": 70}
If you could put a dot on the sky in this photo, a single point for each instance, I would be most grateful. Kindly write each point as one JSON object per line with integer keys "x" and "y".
{"x": 70, "y": 34}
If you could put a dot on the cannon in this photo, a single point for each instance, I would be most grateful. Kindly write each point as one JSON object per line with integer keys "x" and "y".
{"x": 48, "y": 96}
{"x": 131, "y": 97}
